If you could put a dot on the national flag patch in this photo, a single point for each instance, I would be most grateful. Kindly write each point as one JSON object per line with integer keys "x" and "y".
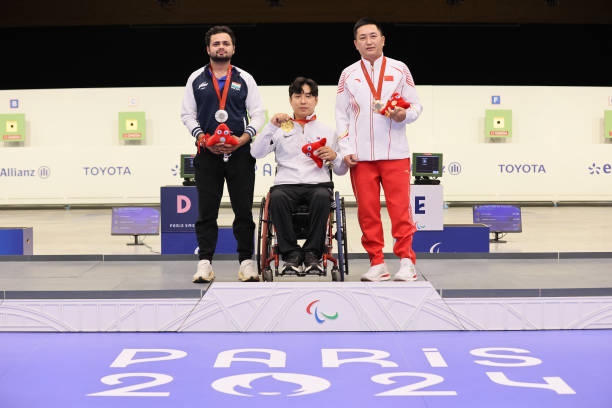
{"x": 236, "y": 86}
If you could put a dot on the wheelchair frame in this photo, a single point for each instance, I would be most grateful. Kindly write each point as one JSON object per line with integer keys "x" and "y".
{"x": 267, "y": 248}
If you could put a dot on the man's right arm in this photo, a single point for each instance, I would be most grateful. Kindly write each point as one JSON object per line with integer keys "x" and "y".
{"x": 189, "y": 109}
{"x": 345, "y": 147}
{"x": 264, "y": 142}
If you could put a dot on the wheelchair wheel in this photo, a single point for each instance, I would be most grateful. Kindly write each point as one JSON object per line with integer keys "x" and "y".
{"x": 344, "y": 241}
{"x": 259, "y": 235}
{"x": 335, "y": 274}
{"x": 267, "y": 275}
{"x": 340, "y": 236}
{"x": 263, "y": 245}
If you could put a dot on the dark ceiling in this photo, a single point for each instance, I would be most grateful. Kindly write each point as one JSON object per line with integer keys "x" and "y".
{"x": 93, "y": 43}
{"x": 29, "y": 13}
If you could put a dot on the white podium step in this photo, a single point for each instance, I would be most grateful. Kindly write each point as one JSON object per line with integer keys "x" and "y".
{"x": 321, "y": 306}
{"x": 308, "y": 307}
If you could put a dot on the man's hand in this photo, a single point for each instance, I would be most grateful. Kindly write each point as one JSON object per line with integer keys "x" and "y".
{"x": 228, "y": 148}
{"x": 216, "y": 149}
{"x": 350, "y": 160}
{"x": 279, "y": 118}
{"x": 398, "y": 114}
{"x": 326, "y": 153}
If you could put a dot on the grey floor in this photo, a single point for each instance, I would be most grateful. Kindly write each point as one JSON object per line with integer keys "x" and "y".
{"x": 553, "y": 256}
{"x": 165, "y": 278}
{"x": 545, "y": 229}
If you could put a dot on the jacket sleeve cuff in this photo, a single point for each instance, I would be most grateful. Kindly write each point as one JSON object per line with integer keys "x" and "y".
{"x": 251, "y": 131}
{"x": 196, "y": 132}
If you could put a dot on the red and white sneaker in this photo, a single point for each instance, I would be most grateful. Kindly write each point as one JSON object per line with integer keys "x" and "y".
{"x": 376, "y": 273}
{"x": 407, "y": 272}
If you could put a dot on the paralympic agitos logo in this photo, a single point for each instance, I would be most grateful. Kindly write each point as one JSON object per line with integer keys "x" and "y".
{"x": 316, "y": 313}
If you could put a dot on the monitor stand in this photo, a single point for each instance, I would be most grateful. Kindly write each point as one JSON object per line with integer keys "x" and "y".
{"x": 136, "y": 241}
{"x": 496, "y": 239}
{"x": 189, "y": 182}
{"x": 425, "y": 180}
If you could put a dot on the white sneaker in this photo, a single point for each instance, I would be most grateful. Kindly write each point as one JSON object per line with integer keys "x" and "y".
{"x": 406, "y": 272}
{"x": 248, "y": 271}
{"x": 204, "y": 272}
{"x": 376, "y": 273}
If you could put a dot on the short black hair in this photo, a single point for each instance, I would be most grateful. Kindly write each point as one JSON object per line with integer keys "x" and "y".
{"x": 299, "y": 82}
{"x": 366, "y": 21}
{"x": 219, "y": 29}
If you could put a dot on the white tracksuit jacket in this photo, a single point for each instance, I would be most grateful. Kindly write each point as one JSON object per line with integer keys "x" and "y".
{"x": 369, "y": 135}
{"x": 293, "y": 166}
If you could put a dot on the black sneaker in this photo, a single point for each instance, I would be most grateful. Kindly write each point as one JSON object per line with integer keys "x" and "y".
{"x": 291, "y": 268}
{"x": 312, "y": 263}
{"x": 313, "y": 269}
{"x": 293, "y": 262}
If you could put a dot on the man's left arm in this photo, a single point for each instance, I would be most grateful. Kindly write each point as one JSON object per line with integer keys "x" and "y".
{"x": 254, "y": 105}
{"x": 409, "y": 94}
{"x": 255, "y": 109}
{"x": 330, "y": 153}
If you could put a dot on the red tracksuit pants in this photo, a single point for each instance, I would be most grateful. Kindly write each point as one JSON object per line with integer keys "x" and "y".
{"x": 394, "y": 176}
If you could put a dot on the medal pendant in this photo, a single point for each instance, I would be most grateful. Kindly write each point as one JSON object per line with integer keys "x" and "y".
{"x": 221, "y": 116}
{"x": 378, "y": 105}
{"x": 287, "y": 126}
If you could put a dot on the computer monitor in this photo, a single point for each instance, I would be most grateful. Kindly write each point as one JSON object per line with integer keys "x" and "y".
{"x": 427, "y": 164}
{"x": 501, "y": 218}
{"x": 187, "y": 169}
{"x": 135, "y": 221}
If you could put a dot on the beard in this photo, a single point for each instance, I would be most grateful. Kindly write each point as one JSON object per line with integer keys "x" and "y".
{"x": 216, "y": 58}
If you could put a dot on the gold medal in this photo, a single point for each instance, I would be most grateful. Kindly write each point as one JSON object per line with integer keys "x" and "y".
{"x": 287, "y": 126}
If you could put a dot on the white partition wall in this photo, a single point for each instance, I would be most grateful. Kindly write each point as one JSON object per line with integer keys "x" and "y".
{"x": 72, "y": 153}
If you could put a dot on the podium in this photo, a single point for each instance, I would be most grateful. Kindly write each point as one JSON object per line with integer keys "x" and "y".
{"x": 16, "y": 241}
{"x": 179, "y": 213}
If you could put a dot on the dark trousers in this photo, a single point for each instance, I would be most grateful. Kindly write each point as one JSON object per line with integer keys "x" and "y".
{"x": 211, "y": 173}
{"x": 284, "y": 199}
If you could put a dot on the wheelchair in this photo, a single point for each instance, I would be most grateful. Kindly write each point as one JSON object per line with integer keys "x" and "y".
{"x": 267, "y": 249}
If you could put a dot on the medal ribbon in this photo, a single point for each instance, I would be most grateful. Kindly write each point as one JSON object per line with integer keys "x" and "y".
{"x": 375, "y": 93}
{"x": 228, "y": 78}
{"x": 304, "y": 121}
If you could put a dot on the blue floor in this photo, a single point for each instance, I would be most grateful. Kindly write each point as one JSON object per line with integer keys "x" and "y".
{"x": 415, "y": 369}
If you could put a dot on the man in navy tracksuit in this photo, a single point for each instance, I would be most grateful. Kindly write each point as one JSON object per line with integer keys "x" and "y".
{"x": 221, "y": 93}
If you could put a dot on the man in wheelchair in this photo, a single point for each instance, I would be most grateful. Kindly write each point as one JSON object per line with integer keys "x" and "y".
{"x": 304, "y": 153}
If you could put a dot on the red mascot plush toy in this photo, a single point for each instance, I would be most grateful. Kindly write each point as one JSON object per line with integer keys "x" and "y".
{"x": 395, "y": 101}
{"x": 310, "y": 148}
{"x": 222, "y": 134}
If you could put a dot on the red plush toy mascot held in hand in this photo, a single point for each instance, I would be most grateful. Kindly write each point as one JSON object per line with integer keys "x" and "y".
{"x": 310, "y": 148}
{"x": 393, "y": 102}
{"x": 222, "y": 134}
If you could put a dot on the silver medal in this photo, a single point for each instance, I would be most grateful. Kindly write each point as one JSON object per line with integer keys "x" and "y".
{"x": 221, "y": 116}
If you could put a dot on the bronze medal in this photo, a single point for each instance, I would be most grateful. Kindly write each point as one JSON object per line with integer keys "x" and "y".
{"x": 376, "y": 93}
{"x": 378, "y": 106}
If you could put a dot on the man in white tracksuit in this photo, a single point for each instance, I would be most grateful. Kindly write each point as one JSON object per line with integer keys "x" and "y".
{"x": 299, "y": 179}
{"x": 375, "y": 148}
